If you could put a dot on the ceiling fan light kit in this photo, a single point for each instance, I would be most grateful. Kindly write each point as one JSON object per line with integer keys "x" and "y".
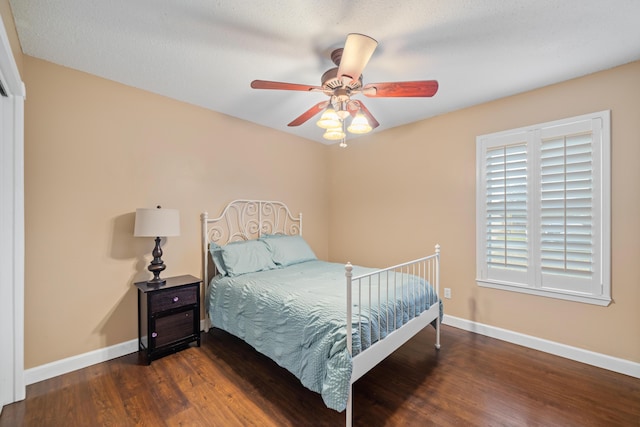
{"x": 333, "y": 120}
{"x": 344, "y": 81}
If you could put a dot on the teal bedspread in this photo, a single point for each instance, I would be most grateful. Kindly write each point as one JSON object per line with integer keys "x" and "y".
{"x": 296, "y": 316}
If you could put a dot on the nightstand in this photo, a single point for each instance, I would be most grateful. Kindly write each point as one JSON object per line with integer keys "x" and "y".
{"x": 168, "y": 316}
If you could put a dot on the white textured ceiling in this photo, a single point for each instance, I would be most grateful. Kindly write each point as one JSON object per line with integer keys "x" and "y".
{"x": 206, "y": 52}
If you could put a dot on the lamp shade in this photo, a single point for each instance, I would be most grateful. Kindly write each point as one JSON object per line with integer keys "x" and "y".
{"x": 329, "y": 119}
{"x": 333, "y": 134}
{"x": 157, "y": 222}
{"x": 359, "y": 124}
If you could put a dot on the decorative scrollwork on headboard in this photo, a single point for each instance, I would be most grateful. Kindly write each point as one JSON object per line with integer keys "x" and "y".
{"x": 250, "y": 219}
{"x": 246, "y": 220}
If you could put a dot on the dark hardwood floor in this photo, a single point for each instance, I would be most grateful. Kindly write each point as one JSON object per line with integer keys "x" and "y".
{"x": 472, "y": 381}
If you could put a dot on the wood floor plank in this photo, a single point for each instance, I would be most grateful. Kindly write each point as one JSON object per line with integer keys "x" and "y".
{"x": 472, "y": 381}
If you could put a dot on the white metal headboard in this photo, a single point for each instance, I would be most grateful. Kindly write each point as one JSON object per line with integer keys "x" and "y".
{"x": 245, "y": 220}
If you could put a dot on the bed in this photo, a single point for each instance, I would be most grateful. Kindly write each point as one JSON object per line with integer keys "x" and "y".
{"x": 264, "y": 284}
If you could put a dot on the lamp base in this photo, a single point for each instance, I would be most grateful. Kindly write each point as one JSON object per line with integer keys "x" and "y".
{"x": 157, "y": 265}
{"x": 156, "y": 282}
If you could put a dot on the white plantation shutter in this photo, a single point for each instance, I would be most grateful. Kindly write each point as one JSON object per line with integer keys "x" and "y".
{"x": 567, "y": 202}
{"x": 506, "y": 207}
{"x": 503, "y": 187}
{"x": 570, "y": 206}
{"x": 543, "y": 209}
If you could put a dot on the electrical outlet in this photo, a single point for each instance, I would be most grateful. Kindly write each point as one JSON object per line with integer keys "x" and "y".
{"x": 447, "y": 293}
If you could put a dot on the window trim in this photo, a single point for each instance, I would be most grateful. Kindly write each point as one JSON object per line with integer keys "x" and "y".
{"x": 602, "y": 192}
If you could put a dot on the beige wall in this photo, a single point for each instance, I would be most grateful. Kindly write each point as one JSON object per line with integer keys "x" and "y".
{"x": 415, "y": 185}
{"x": 95, "y": 151}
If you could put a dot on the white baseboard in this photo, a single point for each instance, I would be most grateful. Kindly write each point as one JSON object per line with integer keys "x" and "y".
{"x": 610, "y": 363}
{"x": 63, "y": 366}
{"x": 70, "y": 364}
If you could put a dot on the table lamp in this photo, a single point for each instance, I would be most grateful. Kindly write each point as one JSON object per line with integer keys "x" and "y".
{"x": 157, "y": 222}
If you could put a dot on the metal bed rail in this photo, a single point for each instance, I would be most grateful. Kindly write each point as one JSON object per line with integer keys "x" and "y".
{"x": 377, "y": 295}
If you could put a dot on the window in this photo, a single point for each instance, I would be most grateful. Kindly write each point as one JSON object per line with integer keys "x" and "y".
{"x": 543, "y": 209}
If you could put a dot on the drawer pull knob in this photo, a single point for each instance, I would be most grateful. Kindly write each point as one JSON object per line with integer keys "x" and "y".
{"x": 175, "y": 299}
{"x": 154, "y": 334}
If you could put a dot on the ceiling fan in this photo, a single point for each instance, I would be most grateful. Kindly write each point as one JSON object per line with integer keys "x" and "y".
{"x": 345, "y": 80}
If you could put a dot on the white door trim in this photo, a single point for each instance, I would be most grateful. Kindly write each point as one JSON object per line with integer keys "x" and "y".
{"x": 12, "y": 383}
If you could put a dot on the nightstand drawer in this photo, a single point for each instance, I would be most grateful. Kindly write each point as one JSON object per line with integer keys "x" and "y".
{"x": 173, "y": 298}
{"x": 173, "y": 328}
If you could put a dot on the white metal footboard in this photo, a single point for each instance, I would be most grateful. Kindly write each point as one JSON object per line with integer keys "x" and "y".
{"x": 383, "y": 287}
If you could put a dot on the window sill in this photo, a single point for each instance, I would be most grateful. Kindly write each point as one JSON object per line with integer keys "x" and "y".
{"x": 581, "y": 298}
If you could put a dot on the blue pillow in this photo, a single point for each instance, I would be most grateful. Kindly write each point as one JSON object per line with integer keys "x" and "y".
{"x": 246, "y": 257}
{"x": 216, "y": 256}
{"x": 288, "y": 250}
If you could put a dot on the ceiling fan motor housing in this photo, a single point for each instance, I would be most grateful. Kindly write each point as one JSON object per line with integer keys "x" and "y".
{"x": 330, "y": 81}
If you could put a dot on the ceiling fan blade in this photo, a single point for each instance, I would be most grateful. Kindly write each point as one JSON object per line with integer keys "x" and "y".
{"x": 372, "y": 120}
{"x": 265, "y": 84}
{"x": 356, "y": 54}
{"x": 420, "y": 88}
{"x": 309, "y": 113}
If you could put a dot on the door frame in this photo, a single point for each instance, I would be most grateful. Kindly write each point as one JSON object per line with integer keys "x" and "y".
{"x": 12, "y": 383}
